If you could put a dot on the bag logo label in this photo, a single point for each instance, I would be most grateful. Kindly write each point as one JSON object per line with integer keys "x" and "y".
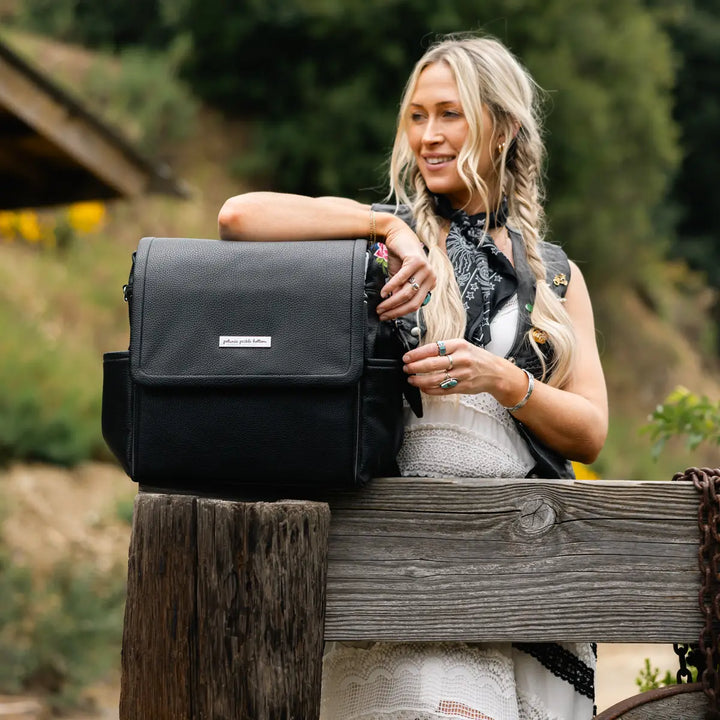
{"x": 245, "y": 341}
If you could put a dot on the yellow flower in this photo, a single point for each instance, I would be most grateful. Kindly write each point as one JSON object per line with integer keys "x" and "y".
{"x": 583, "y": 472}
{"x": 28, "y": 226}
{"x": 7, "y": 224}
{"x": 86, "y": 217}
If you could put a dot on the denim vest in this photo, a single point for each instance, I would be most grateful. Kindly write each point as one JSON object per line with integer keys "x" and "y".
{"x": 548, "y": 463}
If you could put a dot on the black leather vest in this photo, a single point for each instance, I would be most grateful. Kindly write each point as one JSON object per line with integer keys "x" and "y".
{"x": 548, "y": 463}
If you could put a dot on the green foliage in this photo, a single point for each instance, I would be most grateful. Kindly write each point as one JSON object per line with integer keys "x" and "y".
{"x": 686, "y": 414}
{"x": 611, "y": 140}
{"x": 695, "y": 195}
{"x": 143, "y": 95}
{"x": 321, "y": 81}
{"x": 56, "y": 311}
{"x": 49, "y": 411}
{"x": 58, "y": 634}
{"x": 648, "y": 678}
{"x": 108, "y": 24}
{"x": 124, "y": 509}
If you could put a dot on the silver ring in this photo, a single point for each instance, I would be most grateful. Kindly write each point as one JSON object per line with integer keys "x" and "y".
{"x": 415, "y": 286}
{"x": 411, "y": 280}
{"x": 450, "y": 366}
{"x": 442, "y": 350}
{"x": 450, "y": 382}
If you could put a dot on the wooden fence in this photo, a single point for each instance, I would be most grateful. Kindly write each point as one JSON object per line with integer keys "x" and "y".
{"x": 226, "y": 597}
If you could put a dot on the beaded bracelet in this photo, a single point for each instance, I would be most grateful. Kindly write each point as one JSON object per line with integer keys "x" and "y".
{"x": 531, "y": 387}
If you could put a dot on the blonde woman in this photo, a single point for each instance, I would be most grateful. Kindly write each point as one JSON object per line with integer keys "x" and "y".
{"x": 508, "y": 364}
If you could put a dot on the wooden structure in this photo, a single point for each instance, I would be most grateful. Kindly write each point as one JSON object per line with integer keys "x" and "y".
{"x": 408, "y": 559}
{"x": 54, "y": 151}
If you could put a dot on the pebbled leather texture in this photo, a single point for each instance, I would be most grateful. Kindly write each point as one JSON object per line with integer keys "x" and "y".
{"x": 321, "y": 407}
{"x": 306, "y": 297}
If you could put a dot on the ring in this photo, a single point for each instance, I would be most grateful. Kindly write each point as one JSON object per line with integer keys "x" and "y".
{"x": 450, "y": 366}
{"x": 451, "y": 382}
{"x": 442, "y": 350}
{"x": 415, "y": 286}
{"x": 426, "y": 300}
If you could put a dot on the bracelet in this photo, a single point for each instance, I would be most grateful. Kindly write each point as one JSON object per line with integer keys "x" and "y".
{"x": 373, "y": 229}
{"x": 531, "y": 387}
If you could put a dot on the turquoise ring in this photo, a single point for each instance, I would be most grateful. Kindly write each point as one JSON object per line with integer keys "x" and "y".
{"x": 451, "y": 382}
{"x": 426, "y": 300}
{"x": 442, "y": 350}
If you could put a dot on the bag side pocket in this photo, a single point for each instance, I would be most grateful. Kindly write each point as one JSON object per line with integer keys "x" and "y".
{"x": 117, "y": 407}
{"x": 381, "y": 420}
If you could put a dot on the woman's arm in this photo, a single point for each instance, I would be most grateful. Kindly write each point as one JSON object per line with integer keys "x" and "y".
{"x": 266, "y": 216}
{"x": 572, "y": 421}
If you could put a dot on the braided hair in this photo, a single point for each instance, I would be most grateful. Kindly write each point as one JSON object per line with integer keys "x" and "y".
{"x": 487, "y": 74}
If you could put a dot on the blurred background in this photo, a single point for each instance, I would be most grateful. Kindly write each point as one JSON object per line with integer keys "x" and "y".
{"x": 208, "y": 98}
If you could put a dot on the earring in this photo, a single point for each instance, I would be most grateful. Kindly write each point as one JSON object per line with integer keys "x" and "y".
{"x": 500, "y": 148}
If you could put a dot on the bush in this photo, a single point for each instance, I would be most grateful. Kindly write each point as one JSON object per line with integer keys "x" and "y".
{"x": 58, "y": 634}
{"x": 143, "y": 95}
{"x": 684, "y": 413}
{"x": 51, "y": 401}
{"x": 649, "y": 678}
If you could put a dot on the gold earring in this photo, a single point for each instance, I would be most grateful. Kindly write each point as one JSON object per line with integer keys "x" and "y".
{"x": 500, "y": 148}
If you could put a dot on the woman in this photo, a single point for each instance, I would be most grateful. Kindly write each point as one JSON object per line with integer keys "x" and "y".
{"x": 509, "y": 366}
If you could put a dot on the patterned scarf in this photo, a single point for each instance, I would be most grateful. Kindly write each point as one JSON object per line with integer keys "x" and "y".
{"x": 485, "y": 276}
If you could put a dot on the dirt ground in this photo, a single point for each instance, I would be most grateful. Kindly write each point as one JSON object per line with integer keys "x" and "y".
{"x": 53, "y": 514}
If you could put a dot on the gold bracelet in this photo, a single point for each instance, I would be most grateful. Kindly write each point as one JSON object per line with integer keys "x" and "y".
{"x": 373, "y": 229}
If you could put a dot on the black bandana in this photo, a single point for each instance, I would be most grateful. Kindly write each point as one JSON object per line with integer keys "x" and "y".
{"x": 485, "y": 276}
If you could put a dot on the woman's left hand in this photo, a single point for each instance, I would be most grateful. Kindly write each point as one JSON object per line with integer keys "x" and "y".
{"x": 475, "y": 369}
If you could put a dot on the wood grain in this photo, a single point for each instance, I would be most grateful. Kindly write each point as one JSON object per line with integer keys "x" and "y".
{"x": 46, "y": 114}
{"x": 224, "y": 615}
{"x": 499, "y": 560}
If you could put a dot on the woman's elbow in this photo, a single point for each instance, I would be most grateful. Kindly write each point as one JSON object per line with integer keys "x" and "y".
{"x": 231, "y": 219}
{"x": 588, "y": 448}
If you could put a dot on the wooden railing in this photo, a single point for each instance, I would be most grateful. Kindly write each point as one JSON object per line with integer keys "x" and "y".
{"x": 225, "y": 598}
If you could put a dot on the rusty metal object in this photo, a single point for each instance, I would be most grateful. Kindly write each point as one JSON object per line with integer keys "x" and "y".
{"x": 684, "y": 701}
{"x": 707, "y": 482}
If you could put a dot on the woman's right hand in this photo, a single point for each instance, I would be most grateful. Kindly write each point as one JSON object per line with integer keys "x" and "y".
{"x": 411, "y": 277}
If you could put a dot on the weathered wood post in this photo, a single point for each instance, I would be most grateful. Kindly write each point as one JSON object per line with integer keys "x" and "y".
{"x": 225, "y": 609}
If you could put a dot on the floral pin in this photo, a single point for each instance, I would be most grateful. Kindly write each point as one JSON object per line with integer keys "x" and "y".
{"x": 380, "y": 253}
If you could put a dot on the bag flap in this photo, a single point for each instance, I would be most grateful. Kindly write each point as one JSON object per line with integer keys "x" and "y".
{"x": 211, "y": 312}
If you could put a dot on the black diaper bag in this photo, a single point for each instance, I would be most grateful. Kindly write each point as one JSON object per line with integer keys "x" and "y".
{"x": 255, "y": 363}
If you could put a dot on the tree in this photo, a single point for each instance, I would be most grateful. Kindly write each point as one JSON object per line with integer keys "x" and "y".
{"x": 319, "y": 83}
{"x": 111, "y": 24}
{"x": 322, "y": 82}
{"x": 695, "y": 192}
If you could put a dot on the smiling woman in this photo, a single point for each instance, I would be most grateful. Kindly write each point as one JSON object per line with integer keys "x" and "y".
{"x": 437, "y": 129}
{"x": 508, "y": 366}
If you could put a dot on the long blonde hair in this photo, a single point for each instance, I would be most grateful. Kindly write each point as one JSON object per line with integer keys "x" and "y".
{"x": 487, "y": 74}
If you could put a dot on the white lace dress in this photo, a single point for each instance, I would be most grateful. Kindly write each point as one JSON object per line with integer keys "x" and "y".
{"x": 460, "y": 436}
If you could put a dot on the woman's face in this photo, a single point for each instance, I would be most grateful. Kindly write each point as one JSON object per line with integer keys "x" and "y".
{"x": 437, "y": 129}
